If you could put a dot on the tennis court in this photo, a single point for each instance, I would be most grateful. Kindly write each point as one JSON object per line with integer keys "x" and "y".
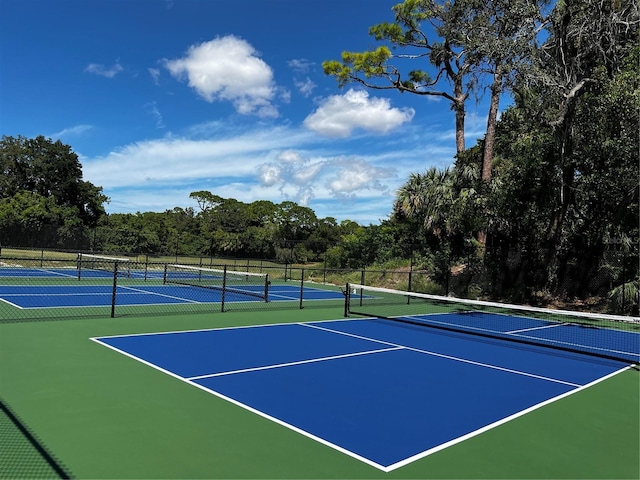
{"x": 361, "y": 387}
{"x": 56, "y": 296}
{"x": 143, "y": 287}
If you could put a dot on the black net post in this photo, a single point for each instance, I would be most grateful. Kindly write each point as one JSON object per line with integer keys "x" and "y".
{"x": 266, "y": 288}
{"x": 113, "y": 291}
{"x": 347, "y": 300}
{"x": 301, "y": 288}
{"x": 224, "y": 287}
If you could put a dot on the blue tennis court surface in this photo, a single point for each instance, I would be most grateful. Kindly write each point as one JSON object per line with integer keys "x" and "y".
{"x": 52, "y": 296}
{"x": 382, "y": 392}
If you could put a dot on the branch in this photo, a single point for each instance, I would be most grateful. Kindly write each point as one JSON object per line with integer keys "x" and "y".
{"x": 569, "y": 98}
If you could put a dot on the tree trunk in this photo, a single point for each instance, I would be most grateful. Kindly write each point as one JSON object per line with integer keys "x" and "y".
{"x": 458, "y": 107}
{"x": 492, "y": 120}
{"x": 489, "y": 140}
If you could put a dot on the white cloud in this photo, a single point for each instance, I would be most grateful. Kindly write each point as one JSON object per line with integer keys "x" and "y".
{"x": 228, "y": 68}
{"x": 339, "y": 115}
{"x": 355, "y": 174}
{"x": 155, "y": 112}
{"x": 248, "y": 164}
{"x": 305, "y": 87}
{"x": 300, "y": 178}
{"x": 300, "y": 65}
{"x": 103, "y": 71}
{"x": 155, "y": 74}
{"x": 71, "y": 131}
{"x": 174, "y": 160}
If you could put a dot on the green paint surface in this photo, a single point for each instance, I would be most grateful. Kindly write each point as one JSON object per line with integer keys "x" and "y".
{"x": 104, "y": 415}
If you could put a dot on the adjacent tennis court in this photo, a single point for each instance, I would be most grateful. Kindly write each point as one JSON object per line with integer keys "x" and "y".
{"x": 56, "y": 296}
{"x": 174, "y": 284}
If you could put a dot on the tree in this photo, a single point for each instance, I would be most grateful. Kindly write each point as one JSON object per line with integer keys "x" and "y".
{"x": 43, "y": 179}
{"x": 498, "y": 37}
{"x": 374, "y": 69}
{"x": 477, "y": 38}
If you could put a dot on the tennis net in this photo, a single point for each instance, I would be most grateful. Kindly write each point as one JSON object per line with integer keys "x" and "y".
{"x": 90, "y": 265}
{"x": 609, "y": 336}
{"x": 242, "y": 283}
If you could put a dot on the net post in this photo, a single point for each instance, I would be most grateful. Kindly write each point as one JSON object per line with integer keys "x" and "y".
{"x": 164, "y": 275}
{"x": 347, "y": 300}
{"x": 266, "y": 288}
{"x": 79, "y": 260}
{"x": 301, "y": 287}
{"x": 113, "y": 291}
{"x": 224, "y": 287}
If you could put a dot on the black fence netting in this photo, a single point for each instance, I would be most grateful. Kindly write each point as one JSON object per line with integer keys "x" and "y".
{"x": 44, "y": 288}
{"x": 46, "y": 284}
{"x": 23, "y": 455}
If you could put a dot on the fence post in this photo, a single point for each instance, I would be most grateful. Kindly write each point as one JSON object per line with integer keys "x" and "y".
{"x": 301, "y": 288}
{"x": 115, "y": 287}
{"x": 347, "y": 300}
{"x": 410, "y": 274}
{"x": 624, "y": 284}
{"x": 224, "y": 287}
{"x": 324, "y": 270}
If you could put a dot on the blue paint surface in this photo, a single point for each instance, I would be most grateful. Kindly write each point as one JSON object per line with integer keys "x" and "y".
{"x": 422, "y": 391}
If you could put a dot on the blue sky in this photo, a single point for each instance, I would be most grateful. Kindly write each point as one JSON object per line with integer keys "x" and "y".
{"x": 161, "y": 98}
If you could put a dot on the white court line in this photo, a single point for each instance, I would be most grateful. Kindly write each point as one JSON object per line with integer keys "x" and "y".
{"x": 537, "y": 328}
{"x": 469, "y": 435}
{"x": 158, "y": 294}
{"x": 290, "y": 364}
{"x": 449, "y": 357}
{"x": 247, "y": 407}
{"x": 325, "y": 442}
{"x": 9, "y": 303}
{"x": 65, "y": 275}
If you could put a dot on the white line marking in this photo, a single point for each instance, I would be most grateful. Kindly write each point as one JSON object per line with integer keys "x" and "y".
{"x": 536, "y": 328}
{"x": 449, "y": 357}
{"x": 9, "y": 303}
{"x": 158, "y": 294}
{"x": 250, "y": 409}
{"x": 290, "y": 364}
{"x": 338, "y": 448}
{"x": 442, "y": 446}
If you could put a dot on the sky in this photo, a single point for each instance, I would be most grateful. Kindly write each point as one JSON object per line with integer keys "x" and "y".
{"x": 162, "y": 98}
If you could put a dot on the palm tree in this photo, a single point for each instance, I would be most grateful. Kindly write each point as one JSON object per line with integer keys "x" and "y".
{"x": 428, "y": 199}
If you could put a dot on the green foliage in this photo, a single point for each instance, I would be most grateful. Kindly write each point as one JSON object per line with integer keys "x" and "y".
{"x": 43, "y": 198}
{"x": 624, "y": 298}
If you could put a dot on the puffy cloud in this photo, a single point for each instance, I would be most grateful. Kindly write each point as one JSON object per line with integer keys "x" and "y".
{"x": 228, "y": 68}
{"x": 300, "y": 178}
{"x": 103, "y": 71}
{"x": 339, "y": 115}
{"x": 355, "y": 174}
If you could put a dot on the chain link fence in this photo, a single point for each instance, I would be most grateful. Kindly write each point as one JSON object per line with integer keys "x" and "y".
{"x": 45, "y": 286}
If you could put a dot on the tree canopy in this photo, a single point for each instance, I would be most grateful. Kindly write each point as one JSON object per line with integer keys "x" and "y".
{"x": 42, "y": 193}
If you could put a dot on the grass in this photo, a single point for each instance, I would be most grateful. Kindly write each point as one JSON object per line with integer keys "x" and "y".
{"x": 103, "y": 415}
